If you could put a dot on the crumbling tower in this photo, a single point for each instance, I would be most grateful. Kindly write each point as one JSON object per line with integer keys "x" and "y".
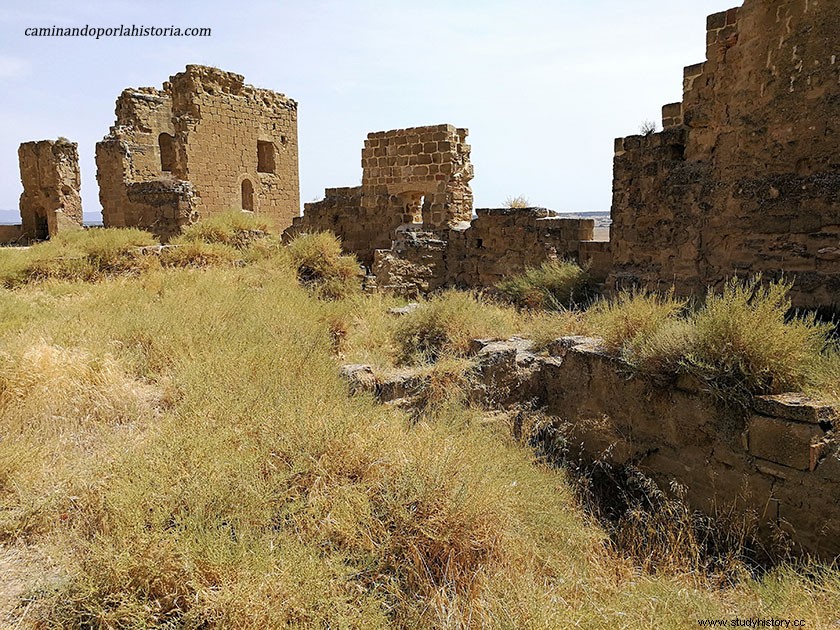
{"x": 745, "y": 176}
{"x": 206, "y": 143}
{"x": 49, "y": 172}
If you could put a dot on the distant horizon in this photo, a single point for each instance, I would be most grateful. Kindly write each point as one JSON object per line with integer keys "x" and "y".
{"x": 12, "y": 217}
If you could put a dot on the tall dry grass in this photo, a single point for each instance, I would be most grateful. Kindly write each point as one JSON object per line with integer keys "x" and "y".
{"x": 181, "y": 444}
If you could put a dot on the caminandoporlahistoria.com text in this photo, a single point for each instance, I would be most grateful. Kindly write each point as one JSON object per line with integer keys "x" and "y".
{"x": 122, "y": 30}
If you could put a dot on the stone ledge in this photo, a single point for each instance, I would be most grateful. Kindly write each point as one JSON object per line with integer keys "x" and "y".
{"x": 797, "y": 407}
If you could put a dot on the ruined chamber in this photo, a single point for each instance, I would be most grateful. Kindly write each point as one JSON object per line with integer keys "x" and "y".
{"x": 206, "y": 143}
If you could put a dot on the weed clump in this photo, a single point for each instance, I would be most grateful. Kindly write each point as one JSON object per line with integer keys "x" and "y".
{"x": 744, "y": 339}
{"x": 554, "y": 285}
{"x": 234, "y": 229}
{"x": 199, "y": 254}
{"x": 740, "y": 341}
{"x": 446, "y": 325}
{"x": 320, "y": 265}
{"x": 83, "y": 255}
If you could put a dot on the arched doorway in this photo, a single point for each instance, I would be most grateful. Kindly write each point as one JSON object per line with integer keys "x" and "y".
{"x": 247, "y": 195}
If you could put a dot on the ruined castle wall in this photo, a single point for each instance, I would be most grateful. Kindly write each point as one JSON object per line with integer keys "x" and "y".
{"x": 128, "y": 166}
{"x": 362, "y": 229}
{"x": 502, "y": 242}
{"x": 11, "y": 234}
{"x": 745, "y": 177}
{"x": 234, "y": 135}
{"x": 413, "y": 176}
{"x": 777, "y": 462}
{"x": 49, "y": 172}
{"x": 424, "y": 172}
{"x": 204, "y": 144}
{"x": 499, "y": 243}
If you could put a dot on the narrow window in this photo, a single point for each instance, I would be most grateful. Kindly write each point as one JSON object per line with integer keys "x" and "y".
{"x": 247, "y": 195}
{"x": 265, "y": 156}
{"x": 167, "y": 152}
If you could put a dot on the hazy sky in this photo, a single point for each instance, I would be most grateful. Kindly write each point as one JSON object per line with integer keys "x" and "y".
{"x": 544, "y": 87}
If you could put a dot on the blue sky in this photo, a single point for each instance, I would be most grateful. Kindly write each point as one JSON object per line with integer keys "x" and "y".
{"x": 543, "y": 86}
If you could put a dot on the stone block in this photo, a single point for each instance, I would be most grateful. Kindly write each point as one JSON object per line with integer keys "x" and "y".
{"x": 783, "y": 442}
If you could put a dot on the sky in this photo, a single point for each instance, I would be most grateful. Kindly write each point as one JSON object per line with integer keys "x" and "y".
{"x": 543, "y": 86}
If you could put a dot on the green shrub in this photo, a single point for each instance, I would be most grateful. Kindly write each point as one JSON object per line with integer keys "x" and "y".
{"x": 554, "y": 285}
{"x": 447, "y": 324}
{"x": 320, "y": 265}
{"x": 744, "y": 341}
{"x": 236, "y": 228}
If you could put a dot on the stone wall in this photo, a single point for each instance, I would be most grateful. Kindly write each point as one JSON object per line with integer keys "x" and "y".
{"x": 347, "y": 213}
{"x": 745, "y": 176}
{"x": 498, "y": 243}
{"x": 777, "y": 463}
{"x": 206, "y": 143}
{"x": 49, "y": 172}
{"x": 409, "y": 176}
{"x": 411, "y": 220}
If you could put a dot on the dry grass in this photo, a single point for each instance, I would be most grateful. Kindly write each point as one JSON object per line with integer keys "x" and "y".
{"x": 555, "y": 285}
{"x": 84, "y": 255}
{"x": 182, "y": 446}
{"x": 446, "y": 324}
{"x": 741, "y": 341}
{"x": 321, "y": 265}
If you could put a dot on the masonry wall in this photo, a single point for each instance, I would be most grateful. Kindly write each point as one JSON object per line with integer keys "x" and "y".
{"x": 206, "y": 143}
{"x": 502, "y": 242}
{"x": 745, "y": 177}
{"x": 411, "y": 220}
{"x": 777, "y": 462}
{"x": 775, "y": 466}
{"x": 418, "y": 175}
{"x": 51, "y": 201}
{"x": 346, "y": 212}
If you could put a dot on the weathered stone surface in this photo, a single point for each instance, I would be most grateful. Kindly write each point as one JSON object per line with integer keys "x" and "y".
{"x": 411, "y": 221}
{"x": 408, "y": 177}
{"x": 744, "y": 178}
{"x": 50, "y": 203}
{"x": 783, "y": 442}
{"x": 796, "y": 407}
{"x": 206, "y": 143}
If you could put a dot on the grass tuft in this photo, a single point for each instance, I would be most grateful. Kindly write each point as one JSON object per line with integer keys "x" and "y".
{"x": 554, "y": 285}
{"x": 236, "y": 229}
{"x": 321, "y": 265}
{"x": 446, "y": 325}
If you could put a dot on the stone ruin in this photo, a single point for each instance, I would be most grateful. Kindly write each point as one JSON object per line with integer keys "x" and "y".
{"x": 49, "y": 172}
{"x": 206, "y": 143}
{"x": 411, "y": 221}
{"x": 743, "y": 178}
